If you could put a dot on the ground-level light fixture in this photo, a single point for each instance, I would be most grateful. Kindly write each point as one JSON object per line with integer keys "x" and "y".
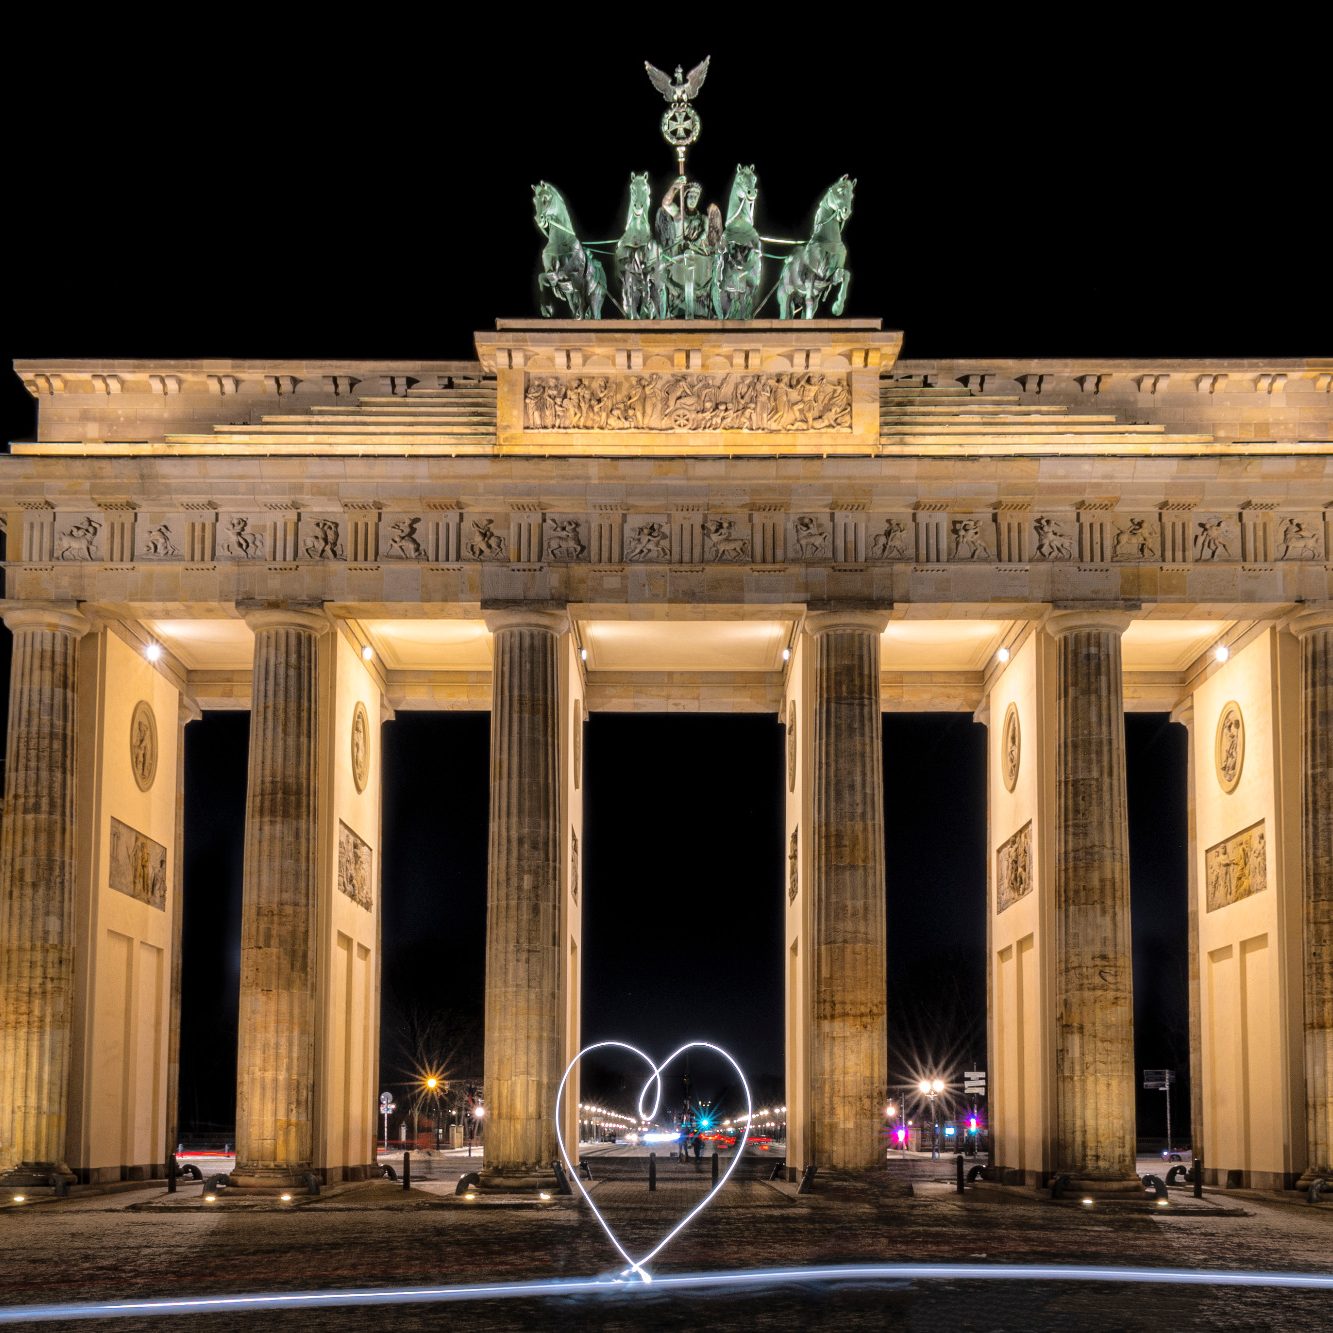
{"x": 210, "y": 1198}
{"x": 286, "y": 1198}
{"x": 20, "y": 1198}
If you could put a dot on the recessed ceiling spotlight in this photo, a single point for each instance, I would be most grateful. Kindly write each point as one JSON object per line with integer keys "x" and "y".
{"x": 153, "y": 652}
{"x": 1221, "y": 652}
{"x": 786, "y": 654}
{"x": 1003, "y": 654}
{"x": 583, "y": 654}
{"x": 367, "y": 653}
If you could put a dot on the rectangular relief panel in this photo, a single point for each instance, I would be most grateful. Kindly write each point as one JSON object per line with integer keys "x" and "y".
{"x": 1013, "y": 868}
{"x": 1237, "y": 867}
{"x": 138, "y": 866}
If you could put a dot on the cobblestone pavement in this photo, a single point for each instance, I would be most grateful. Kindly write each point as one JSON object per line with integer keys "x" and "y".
{"x": 143, "y": 1243}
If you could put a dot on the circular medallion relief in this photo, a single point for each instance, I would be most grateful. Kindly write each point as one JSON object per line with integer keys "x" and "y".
{"x": 143, "y": 744}
{"x": 1229, "y": 746}
{"x": 360, "y": 746}
{"x": 791, "y": 745}
{"x": 1011, "y": 741}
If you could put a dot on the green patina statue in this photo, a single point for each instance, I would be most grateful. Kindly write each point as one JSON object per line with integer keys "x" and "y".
{"x": 569, "y": 272}
{"x": 691, "y": 262}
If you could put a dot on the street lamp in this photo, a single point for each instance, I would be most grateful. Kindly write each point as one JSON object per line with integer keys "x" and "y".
{"x": 931, "y": 1088}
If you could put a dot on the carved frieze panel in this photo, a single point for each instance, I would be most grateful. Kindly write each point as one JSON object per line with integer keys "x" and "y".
{"x": 727, "y": 538}
{"x": 1300, "y": 537}
{"x": 810, "y": 537}
{"x": 890, "y": 537}
{"x": 648, "y": 538}
{"x": 355, "y": 863}
{"x": 970, "y": 537}
{"x": 1013, "y": 868}
{"x": 406, "y": 537}
{"x": 566, "y": 538}
{"x": 793, "y": 864}
{"x": 1237, "y": 867}
{"x": 160, "y": 537}
{"x": 323, "y": 537}
{"x": 143, "y": 745}
{"x": 138, "y": 866}
{"x": 1229, "y": 746}
{"x": 687, "y": 402}
{"x": 484, "y": 537}
{"x": 1137, "y": 537}
{"x": 1053, "y": 537}
{"x": 246, "y": 537}
{"x": 1214, "y": 537}
{"x": 79, "y": 536}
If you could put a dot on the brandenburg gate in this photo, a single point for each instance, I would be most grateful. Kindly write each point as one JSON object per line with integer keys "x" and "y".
{"x": 770, "y": 516}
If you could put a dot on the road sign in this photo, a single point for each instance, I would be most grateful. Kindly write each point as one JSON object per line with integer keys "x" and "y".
{"x": 1158, "y": 1079}
{"x": 386, "y": 1099}
{"x": 974, "y": 1080}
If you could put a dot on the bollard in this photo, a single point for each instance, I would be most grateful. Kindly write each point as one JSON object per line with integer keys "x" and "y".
{"x": 562, "y": 1184}
{"x": 407, "y": 1171}
{"x": 1198, "y": 1177}
{"x": 171, "y": 1173}
{"x": 960, "y": 1172}
{"x": 652, "y": 1172}
{"x": 714, "y": 1166}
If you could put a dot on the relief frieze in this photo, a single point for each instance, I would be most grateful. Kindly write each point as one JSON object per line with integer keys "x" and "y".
{"x": 138, "y": 866}
{"x": 688, "y": 402}
{"x": 1013, "y": 868}
{"x": 354, "y": 867}
{"x": 1237, "y": 867}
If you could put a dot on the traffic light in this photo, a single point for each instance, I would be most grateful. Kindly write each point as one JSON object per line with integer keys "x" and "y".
{"x": 971, "y": 1124}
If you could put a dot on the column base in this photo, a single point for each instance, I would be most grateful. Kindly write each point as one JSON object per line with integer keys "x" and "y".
{"x": 526, "y": 1180}
{"x": 1313, "y": 1173}
{"x": 272, "y": 1179}
{"x": 33, "y": 1175}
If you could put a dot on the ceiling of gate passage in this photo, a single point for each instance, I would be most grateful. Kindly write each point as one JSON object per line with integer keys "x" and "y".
{"x": 668, "y": 657}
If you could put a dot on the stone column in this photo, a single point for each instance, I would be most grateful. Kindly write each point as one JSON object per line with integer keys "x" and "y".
{"x": 1094, "y": 996}
{"x": 1315, "y": 631}
{"x": 279, "y": 955}
{"x": 849, "y": 1042}
{"x": 523, "y": 1011}
{"x": 37, "y": 869}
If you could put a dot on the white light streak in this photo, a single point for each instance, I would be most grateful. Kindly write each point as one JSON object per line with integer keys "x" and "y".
{"x": 653, "y": 1081}
{"x": 733, "y": 1279}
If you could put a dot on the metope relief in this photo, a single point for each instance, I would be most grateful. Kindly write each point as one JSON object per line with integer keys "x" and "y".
{"x": 1229, "y": 746}
{"x": 483, "y": 542}
{"x": 969, "y": 543}
{"x": 648, "y": 541}
{"x": 160, "y": 543}
{"x": 1011, "y": 742}
{"x": 724, "y": 543}
{"x": 360, "y": 746}
{"x": 811, "y": 537}
{"x": 323, "y": 542}
{"x": 1013, "y": 868}
{"x": 1298, "y": 539}
{"x": 565, "y": 539}
{"x": 138, "y": 866}
{"x": 793, "y": 864}
{"x": 890, "y": 541}
{"x": 755, "y": 402}
{"x": 241, "y": 541}
{"x": 354, "y": 867}
{"x": 143, "y": 745}
{"x": 1136, "y": 539}
{"x": 80, "y": 540}
{"x": 1214, "y": 538}
{"x": 1053, "y": 542}
{"x": 1236, "y": 868}
{"x": 403, "y": 539}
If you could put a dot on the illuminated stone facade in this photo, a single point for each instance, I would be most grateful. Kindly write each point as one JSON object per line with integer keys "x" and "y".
{"x": 768, "y": 517}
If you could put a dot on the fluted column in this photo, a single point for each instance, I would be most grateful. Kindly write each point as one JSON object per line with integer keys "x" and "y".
{"x": 850, "y": 1033}
{"x": 523, "y": 1012}
{"x": 1315, "y": 631}
{"x": 37, "y": 851}
{"x": 1094, "y": 994}
{"x": 279, "y": 956}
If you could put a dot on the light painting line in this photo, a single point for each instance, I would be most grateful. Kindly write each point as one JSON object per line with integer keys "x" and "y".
{"x": 748, "y": 1278}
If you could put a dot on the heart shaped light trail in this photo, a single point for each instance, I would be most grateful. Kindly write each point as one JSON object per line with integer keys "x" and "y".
{"x": 653, "y": 1083}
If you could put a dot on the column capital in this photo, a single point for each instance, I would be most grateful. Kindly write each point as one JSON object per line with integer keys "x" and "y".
{"x": 554, "y": 620}
{"x": 867, "y": 621}
{"x": 64, "y": 617}
{"x": 1310, "y": 621}
{"x": 1060, "y": 623}
{"x": 187, "y": 711}
{"x": 1183, "y": 712}
{"x": 284, "y": 615}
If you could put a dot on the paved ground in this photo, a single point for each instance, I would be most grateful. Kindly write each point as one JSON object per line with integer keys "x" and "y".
{"x": 142, "y": 1243}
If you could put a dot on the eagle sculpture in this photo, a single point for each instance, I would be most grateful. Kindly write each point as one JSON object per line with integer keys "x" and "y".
{"x": 682, "y": 89}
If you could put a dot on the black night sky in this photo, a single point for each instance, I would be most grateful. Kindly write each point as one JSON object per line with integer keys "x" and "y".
{"x": 1102, "y": 186}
